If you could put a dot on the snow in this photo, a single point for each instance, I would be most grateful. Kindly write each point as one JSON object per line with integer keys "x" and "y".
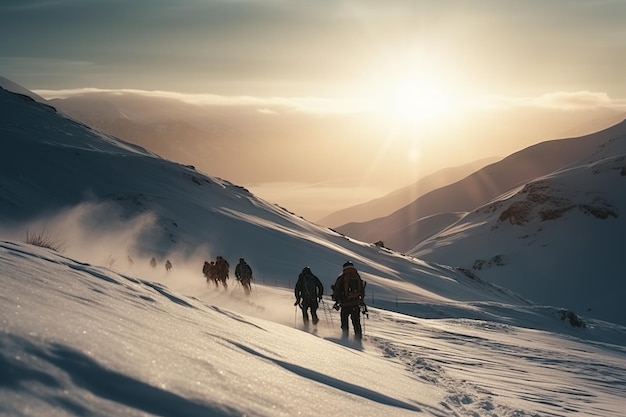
{"x": 86, "y": 332}
{"x": 80, "y": 339}
{"x": 557, "y": 239}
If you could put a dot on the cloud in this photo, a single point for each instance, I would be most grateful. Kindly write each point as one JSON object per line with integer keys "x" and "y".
{"x": 268, "y": 105}
{"x": 559, "y": 100}
{"x": 266, "y": 111}
{"x": 576, "y": 100}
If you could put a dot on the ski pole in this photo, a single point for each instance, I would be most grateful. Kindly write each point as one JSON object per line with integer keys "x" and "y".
{"x": 295, "y": 315}
{"x": 366, "y": 314}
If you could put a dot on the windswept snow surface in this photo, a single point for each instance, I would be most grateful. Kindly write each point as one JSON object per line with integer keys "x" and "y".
{"x": 79, "y": 339}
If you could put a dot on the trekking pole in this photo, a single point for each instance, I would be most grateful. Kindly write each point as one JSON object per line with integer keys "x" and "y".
{"x": 295, "y": 315}
{"x": 327, "y": 314}
{"x": 362, "y": 321}
{"x": 366, "y": 314}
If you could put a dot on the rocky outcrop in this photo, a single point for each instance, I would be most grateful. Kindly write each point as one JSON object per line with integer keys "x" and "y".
{"x": 542, "y": 201}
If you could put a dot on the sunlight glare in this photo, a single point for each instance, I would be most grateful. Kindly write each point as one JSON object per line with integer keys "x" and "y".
{"x": 417, "y": 101}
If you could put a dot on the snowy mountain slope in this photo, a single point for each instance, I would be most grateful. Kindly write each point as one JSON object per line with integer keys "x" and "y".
{"x": 557, "y": 239}
{"x": 16, "y": 88}
{"x": 107, "y": 200}
{"x": 122, "y": 346}
{"x": 397, "y": 199}
{"x": 400, "y": 229}
{"x": 79, "y": 339}
{"x": 180, "y": 132}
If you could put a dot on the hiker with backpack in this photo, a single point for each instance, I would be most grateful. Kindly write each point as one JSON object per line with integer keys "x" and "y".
{"x": 308, "y": 292}
{"x": 349, "y": 296}
{"x": 243, "y": 273}
{"x": 222, "y": 268}
{"x": 208, "y": 270}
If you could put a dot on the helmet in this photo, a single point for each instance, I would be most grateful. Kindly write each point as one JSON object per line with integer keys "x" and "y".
{"x": 306, "y": 269}
{"x": 347, "y": 265}
{"x": 241, "y": 260}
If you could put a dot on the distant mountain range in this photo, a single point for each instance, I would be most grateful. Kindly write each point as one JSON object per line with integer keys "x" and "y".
{"x": 389, "y": 203}
{"x": 433, "y": 211}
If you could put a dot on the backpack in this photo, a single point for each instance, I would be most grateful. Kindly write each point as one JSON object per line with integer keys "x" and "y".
{"x": 243, "y": 271}
{"x": 246, "y": 271}
{"x": 221, "y": 267}
{"x": 349, "y": 289}
{"x": 353, "y": 287}
{"x": 309, "y": 286}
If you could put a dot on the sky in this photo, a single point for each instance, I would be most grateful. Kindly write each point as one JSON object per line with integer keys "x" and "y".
{"x": 84, "y": 331}
{"x": 410, "y": 86}
{"x": 330, "y": 49}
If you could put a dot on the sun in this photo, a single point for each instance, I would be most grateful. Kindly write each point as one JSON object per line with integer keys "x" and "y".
{"x": 418, "y": 101}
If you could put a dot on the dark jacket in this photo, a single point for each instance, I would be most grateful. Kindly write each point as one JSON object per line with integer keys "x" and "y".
{"x": 243, "y": 271}
{"x": 309, "y": 287}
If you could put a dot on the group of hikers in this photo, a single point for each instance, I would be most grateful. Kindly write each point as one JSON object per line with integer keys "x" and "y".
{"x": 217, "y": 273}
{"x": 348, "y": 290}
{"x": 153, "y": 263}
{"x": 348, "y": 294}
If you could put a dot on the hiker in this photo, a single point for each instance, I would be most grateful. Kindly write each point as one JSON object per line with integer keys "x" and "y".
{"x": 168, "y": 265}
{"x": 221, "y": 270}
{"x": 153, "y": 262}
{"x": 208, "y": 270}
{"x": 243, "y": 273}
{"x": 308, "y": 292}
{"x": 349, "y": 295}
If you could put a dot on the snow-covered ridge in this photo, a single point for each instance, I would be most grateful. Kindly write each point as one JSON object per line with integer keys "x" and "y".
{"x": 554, "y": 238}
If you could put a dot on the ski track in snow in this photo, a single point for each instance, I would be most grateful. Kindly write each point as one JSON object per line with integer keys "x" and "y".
{"x": 574, "y": 372}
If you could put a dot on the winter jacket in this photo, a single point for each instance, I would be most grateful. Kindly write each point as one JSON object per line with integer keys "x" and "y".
{"x": 309, "y": 287}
